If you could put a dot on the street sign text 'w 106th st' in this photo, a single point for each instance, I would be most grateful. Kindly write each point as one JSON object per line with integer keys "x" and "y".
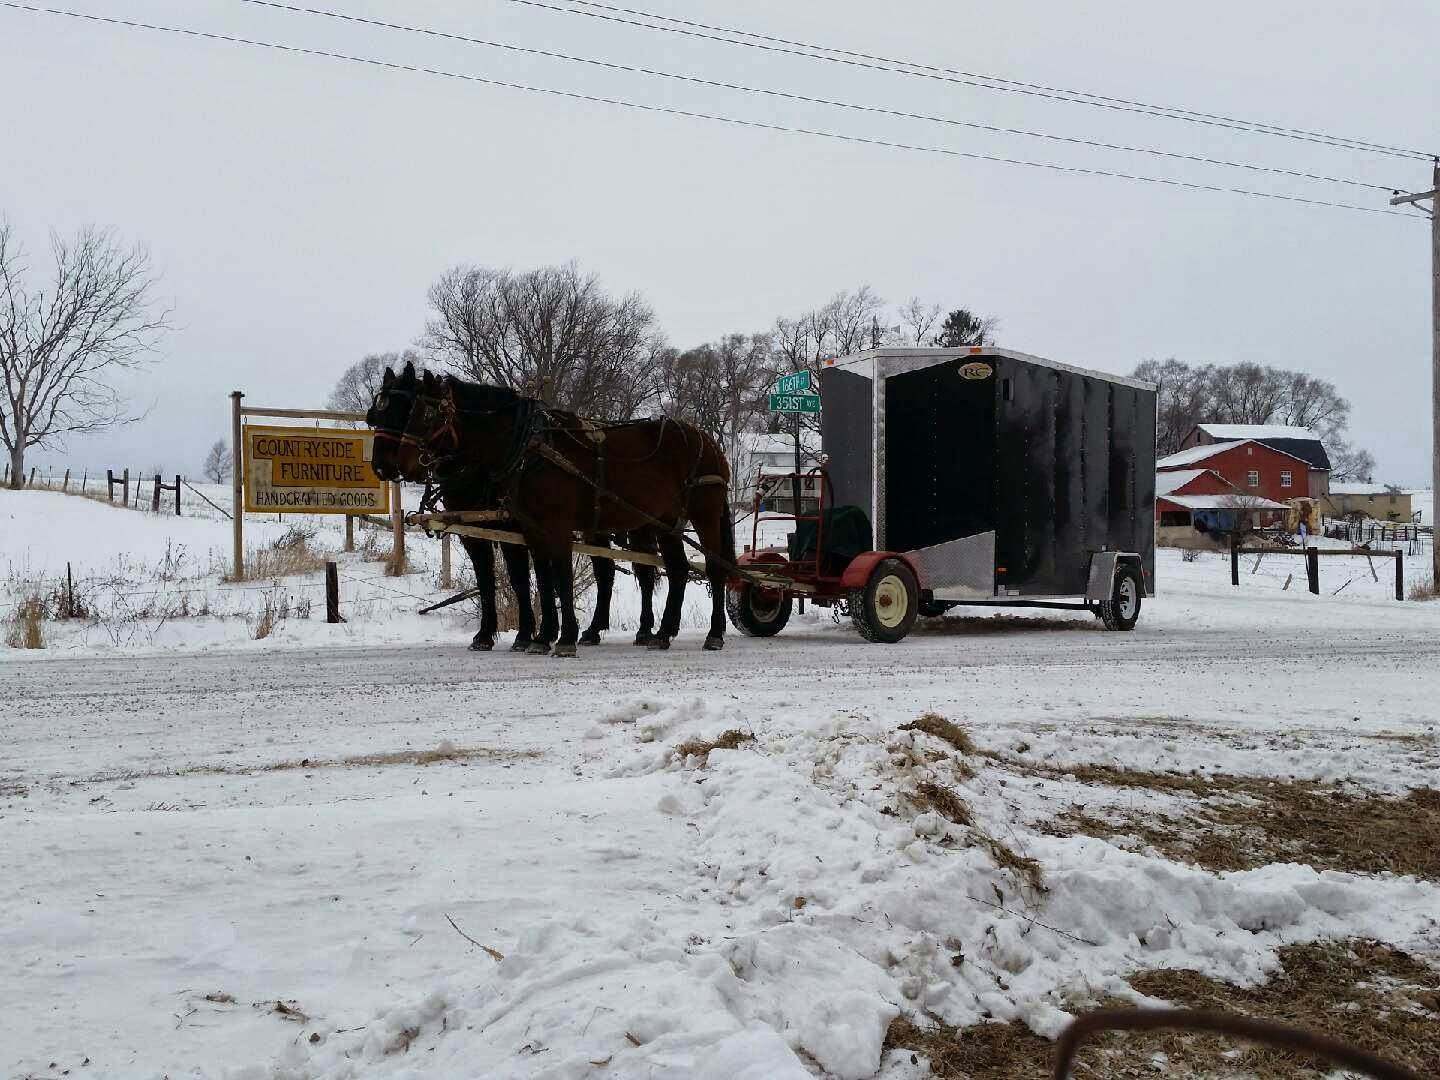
{"x": 801, "y": 403}
{"x": 791, "y": 384}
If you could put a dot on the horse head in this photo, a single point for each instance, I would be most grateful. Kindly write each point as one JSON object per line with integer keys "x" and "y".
{"x": 389, "y": 414}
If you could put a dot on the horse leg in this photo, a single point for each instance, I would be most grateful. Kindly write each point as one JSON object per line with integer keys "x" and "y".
{"x": 645, "y": 576}
{"x": 517, "y": 570}
{"x": 677, "y": 570}
{"x": 562, "y": 575}
{"x": 604, "y": 585}
{"x": 717, "y": 536}
{"x": 545, "y": 585}
{"x": 482, "y": 558}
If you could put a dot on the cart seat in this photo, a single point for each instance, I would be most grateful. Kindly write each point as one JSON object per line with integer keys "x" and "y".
{"x": 845, "y": 534}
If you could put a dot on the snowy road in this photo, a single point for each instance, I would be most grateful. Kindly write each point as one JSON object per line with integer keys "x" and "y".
{"x": 268, "y": 826}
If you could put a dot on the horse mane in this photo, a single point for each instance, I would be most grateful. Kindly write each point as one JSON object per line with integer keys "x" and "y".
{"x": 480, "y": 396}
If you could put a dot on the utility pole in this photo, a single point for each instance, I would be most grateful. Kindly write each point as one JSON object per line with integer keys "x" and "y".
{"x": 1433, "y": 196}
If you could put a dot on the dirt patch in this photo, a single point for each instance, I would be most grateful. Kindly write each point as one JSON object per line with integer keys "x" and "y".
{"x": 977, "y": 625}
{"x": 946, "y": 730}
{"x": 443, "y": 753}
{"x": 1363, "y": 992}
{"x": 1241, "y": 822}
{"x": 730, "y": 740}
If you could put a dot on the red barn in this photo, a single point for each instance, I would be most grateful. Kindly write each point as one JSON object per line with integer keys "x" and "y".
{"x": 1251, "y": 467}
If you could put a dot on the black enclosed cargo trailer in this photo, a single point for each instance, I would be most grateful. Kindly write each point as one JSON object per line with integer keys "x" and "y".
{"x": 1004, "y": 478}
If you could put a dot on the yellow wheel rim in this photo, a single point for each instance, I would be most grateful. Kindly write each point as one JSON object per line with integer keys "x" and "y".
{"x": 892, "y": 602}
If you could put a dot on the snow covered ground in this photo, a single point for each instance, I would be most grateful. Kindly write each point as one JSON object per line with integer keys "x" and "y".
{"x": 362, "y": 850}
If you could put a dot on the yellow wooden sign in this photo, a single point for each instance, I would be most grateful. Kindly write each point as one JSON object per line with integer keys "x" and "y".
{"x": 302, "y": 470}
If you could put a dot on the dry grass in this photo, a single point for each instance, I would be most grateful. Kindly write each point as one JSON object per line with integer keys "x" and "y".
{"x": 1023, "y": 867}
{"x": 270, "y": 562}
{"x": 1242, "y": 822}
{"x": 943, "y": 729}
{"x": 730, "y": 740}
{"x": 25, "y": 628}
{"x": 445, "y": 752}
{"x": 1424, "y": 589}
{"x": 1361, "y": 991}
{"x": 937, "y": 797}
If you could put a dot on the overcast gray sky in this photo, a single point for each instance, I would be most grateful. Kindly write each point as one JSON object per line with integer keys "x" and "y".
{"x": 298, "y": 207}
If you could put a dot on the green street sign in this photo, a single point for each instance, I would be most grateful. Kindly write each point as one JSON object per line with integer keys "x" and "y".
{"x": 790, "y": 384}
{"x": 802, "y": 403}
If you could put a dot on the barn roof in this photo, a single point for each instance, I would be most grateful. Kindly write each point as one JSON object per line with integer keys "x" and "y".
{"x": 1223, "y": 502}
{"x": 1176, "y": 479}
{"x": 1204, "y": 453}
{"x": 1194, "y": 454}
{"x": 1298, "y": 442}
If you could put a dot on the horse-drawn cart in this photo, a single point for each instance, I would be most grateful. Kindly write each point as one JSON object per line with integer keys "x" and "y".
{"x": 961, "y": 476}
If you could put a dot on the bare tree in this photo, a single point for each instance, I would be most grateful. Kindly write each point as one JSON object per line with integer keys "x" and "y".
{"x": 722, "y": 388}
{"x": 217, "y": 463}
{"x": 917, "y": 319}
{"x": 552, "y": 332}
{"x": 963, "y": 327}
{"x": 62, "y": 348}
{"x": 1350, "y": 463}
{"x": 1251, "y": 394}
{"x": 356, "y": 387}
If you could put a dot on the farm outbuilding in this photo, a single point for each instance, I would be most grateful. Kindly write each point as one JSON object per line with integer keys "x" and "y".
{"x": 1376, "y": 502}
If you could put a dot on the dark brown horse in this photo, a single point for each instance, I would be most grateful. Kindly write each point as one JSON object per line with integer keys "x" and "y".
{"x": 560, "y": 476}
{"x": 401, "y": 453}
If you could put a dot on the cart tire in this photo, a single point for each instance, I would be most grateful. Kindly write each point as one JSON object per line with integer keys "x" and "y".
{"x": 757, "y": 612}
{"x": 1122, "y": 610}
{"x": 886, "y": 608}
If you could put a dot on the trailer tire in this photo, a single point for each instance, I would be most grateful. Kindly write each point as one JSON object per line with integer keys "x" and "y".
{"x": 757, "y": 612}
{"x": 886, "y": 607}
{"x": 1122, "y": 610}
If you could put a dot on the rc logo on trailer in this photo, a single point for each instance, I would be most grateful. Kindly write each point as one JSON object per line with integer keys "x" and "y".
{"x": 976, "y": 371}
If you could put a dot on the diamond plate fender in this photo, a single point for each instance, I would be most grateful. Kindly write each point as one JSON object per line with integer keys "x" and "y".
{"x": 1102, "y": 573}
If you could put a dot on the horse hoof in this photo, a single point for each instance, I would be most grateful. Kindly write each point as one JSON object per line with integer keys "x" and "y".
{"x": 564, "y": 651}
{"x": 480, "y": 643}
{"x": 714, "y": 644}
{"x": 659, "y": 644}
{"x": 644, "y": 637}
{"x": 521, "y": 644}
{"x": 590, "y": 639}
{"x": 538, "y": 648}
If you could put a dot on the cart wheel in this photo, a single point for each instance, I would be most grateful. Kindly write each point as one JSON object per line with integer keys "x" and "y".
{"x": 1122, "y": 610}
{"x": 757, "y": 612}
{"x": 885, "y": 609}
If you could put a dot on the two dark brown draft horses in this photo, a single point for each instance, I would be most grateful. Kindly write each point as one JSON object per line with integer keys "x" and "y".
{"x": 559, "y": 475}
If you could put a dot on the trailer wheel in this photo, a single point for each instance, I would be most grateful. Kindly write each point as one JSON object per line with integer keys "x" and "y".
{"x": 1122, "y": 610}
{"x": 757, "y": 612}
{"x": 886, "y": 608}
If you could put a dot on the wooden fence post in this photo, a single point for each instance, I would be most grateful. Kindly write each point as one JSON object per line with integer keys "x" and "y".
{"x": 32, "y": 476}
{"x": 177, "y": 494}
{"x": 349, "y": 532}
{"x": 1312, "y": 569}
{"x": 332, "y": 594}
{"x": 155, "y": 501}
{"x": 445, "y": 560}
{"x": 65, "y": 484}
{"x": 125, "y": 489}
{"x": 69, "y": 593}
{"x": 1399, "y": 575}
{"x": 237, "y": 483}
{"x": 1234, "y": 558}
{"x": 397, "y": 530}
{"x": 110, "y": 484}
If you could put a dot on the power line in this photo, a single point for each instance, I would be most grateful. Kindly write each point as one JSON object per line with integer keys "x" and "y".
{"x": 794, "y": 96}
{"x": 574, "y": 95}
{"x": 964, "y": 78}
